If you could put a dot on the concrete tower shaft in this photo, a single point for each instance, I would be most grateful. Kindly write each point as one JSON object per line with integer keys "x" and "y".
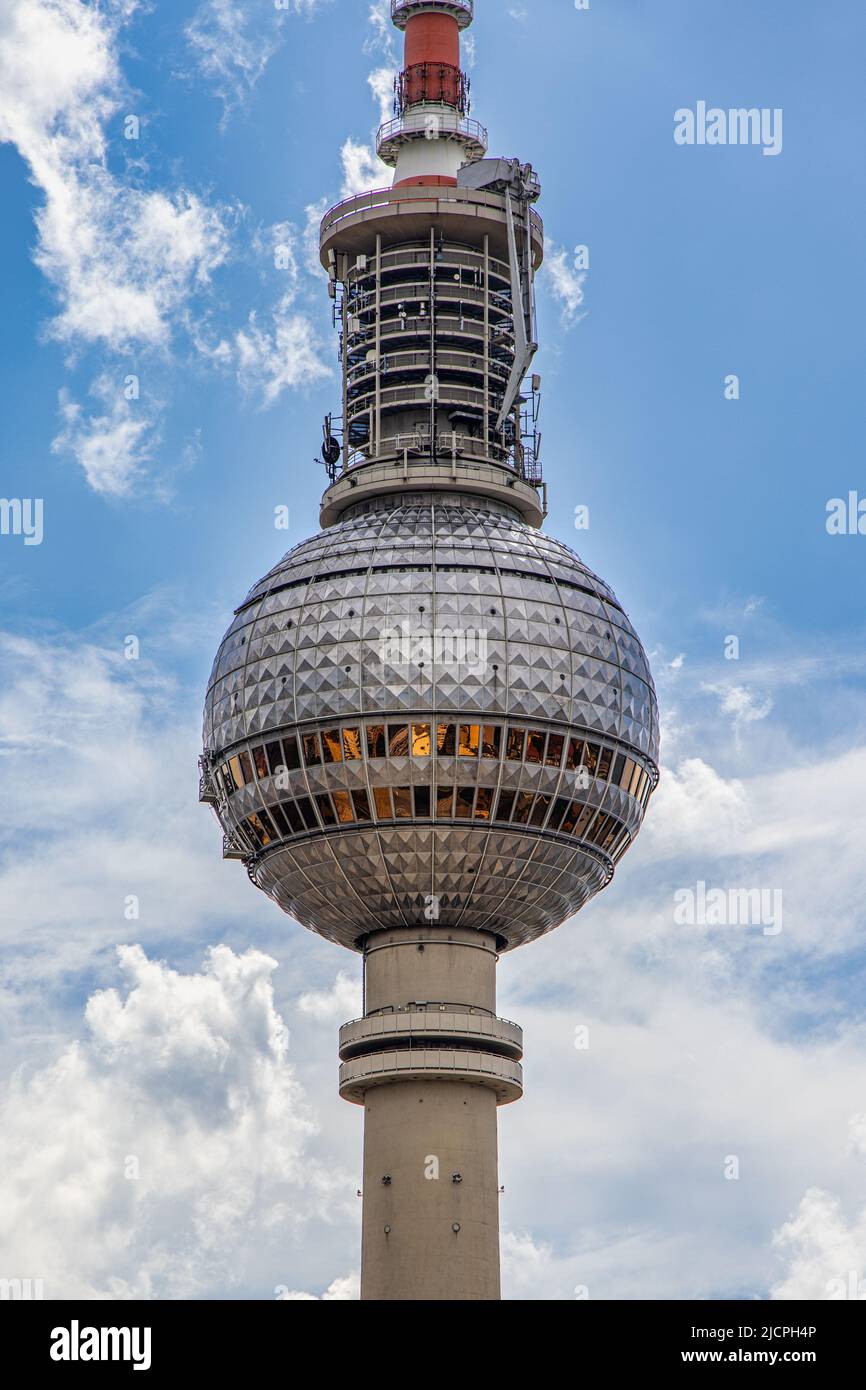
{"x": 430, "y": 1062}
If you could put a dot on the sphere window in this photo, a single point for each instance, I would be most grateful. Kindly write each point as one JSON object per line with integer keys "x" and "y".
{"x": 403, "y": 803}
{"x": 398, "y": 740}
{"x": 343, "y": 806}
{"x": 305, "y": 806}
{"x": 523, "y": 807}
{"x": 312, "y": 754}
{"x": 491, "y": 742}
{"x": 332, "y": 746}
{"x": 470, "y": 740}
{"x": 465, "y": 799}
{"x": 535, "y": 748}
{"x": 376, "y": 741}
{"x": 445, "y": 803}
{"x": 446, "y": 740}
{"x": 352, "y": 750}
{"x": 421, "y": 745}
{"x": 516, "y": 738}
{"x": 555, "y": 747}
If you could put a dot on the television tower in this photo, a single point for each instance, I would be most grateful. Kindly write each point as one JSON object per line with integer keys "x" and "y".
{"x": 431, "y": 732}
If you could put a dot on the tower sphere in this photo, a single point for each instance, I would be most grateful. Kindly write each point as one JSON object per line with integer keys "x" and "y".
{"x": 504, "y": 781}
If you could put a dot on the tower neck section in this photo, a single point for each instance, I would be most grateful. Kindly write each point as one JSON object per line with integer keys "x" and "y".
{"x": 433, "y": 286}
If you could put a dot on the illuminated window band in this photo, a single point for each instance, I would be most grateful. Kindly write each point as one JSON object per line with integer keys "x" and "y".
{"x": 297, "y": 815}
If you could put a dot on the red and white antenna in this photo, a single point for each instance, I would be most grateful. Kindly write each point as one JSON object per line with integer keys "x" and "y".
{"x": 432, "y": 134}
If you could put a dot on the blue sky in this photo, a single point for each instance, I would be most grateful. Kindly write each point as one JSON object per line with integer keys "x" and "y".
{"x": 155, "y": 258}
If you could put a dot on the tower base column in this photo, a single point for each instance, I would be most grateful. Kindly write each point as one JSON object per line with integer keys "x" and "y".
{"x": 430, "y": 1062}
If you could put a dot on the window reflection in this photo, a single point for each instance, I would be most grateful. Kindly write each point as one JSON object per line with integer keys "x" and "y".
{"x": 470, "y": 738}
{"x": 305, "y": 806}
{"x": 575, "y": 753}
{"x": 352, "y": 745}
{"x": 539, "y": 810}
{"x": 421, "y": 745}
{"x": 604, "y": 763}
{"x": 483, "y": 803}
{"x": 522, "y": 807}
{"x": 446, "y": 740}
{"x": 555, "y": 746}
{"x": 398, "y": 740}
{"x": 332, "y": 746}
{"x": 279, "y": 820}
{"x": 261, "y": 762}
{"x": 403, "y": 803}
{"x": 292, "y": 756}
{"x": 515, "y": 745}
{"x": 445, "y": 802}
{"x": 382, "y": 798}
{"x": 505, "y": 806}
{"x": 343, "y": 807}
{"x": 361, "y": 803}
{"x": 326, "y": 810}
{"x": 491, "y": 742}
{"x": 376, "y": 741}
{"x": 312, "y": 756}
{"x": 465, "y": 798}
{"x": 535, "y": 747}
{"x": 422, "y": 802}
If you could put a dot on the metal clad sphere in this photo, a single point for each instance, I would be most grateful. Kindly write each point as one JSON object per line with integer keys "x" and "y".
{"x": 333, "y": 641}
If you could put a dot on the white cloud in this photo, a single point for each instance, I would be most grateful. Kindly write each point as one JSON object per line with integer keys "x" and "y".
{"x": 696, "y": 810}
{"x": 340, "y": 1004}
{"x": 826, "y": 1254}
{"x": 382, "y": 37}
{"x": 340, "y": 1291}
{"x": 857, "y": 1135}
{"x": 114, "y": 445}
{"x": 124, "y": 263}
{"x": 362, "y": 169}
{"x": 152, "y": 1157}
{"x": 282, "y": 355}
{"x": 742, "y": 705}
{"x": 232, "y": 43}
{"x": 381, "y": 84}
{"x": 314, "y": 214}
{"x": 566, "y": 284}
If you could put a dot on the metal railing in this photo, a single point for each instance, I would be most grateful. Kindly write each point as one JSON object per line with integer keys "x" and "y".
{"x": 384, "y": 197}
{"x": 463, "y": 9}
{"x": 444, "y": 124}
